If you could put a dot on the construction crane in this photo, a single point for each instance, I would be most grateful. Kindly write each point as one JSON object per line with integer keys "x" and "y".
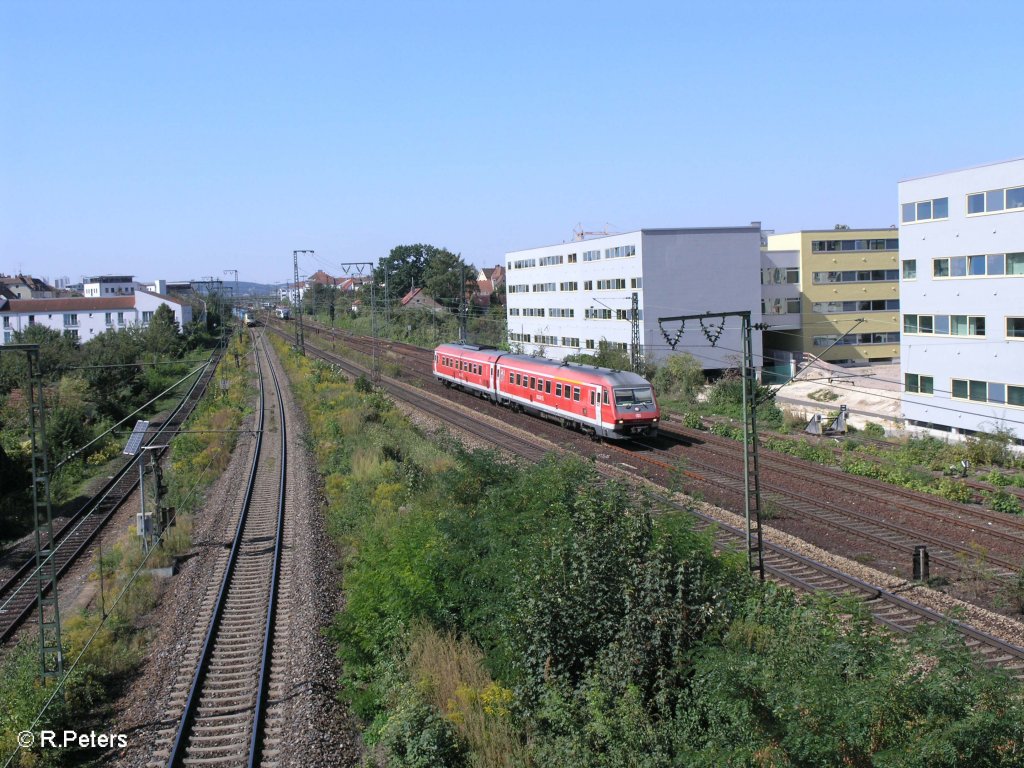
{"x": 580, "y": 234}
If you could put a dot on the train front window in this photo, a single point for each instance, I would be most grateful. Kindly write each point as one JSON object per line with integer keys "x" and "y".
{"x": 627, "y": 398}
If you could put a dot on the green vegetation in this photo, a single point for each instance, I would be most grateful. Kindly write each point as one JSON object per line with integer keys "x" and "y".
{"x": 87, "y": 389}
{"x": 507, "y": 615}
{"x": 106, "y": 634}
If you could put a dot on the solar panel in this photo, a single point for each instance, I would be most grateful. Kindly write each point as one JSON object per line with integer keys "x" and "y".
{"x": 135, "y": 441}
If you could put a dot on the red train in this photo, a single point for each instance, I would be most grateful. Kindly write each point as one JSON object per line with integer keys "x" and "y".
{"x": 599, "y": 401}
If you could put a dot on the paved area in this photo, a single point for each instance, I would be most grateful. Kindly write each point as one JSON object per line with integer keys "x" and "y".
{"x": 869, "y": 393}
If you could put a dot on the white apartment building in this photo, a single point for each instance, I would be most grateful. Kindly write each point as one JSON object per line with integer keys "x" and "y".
{"x": 565, "y": 299}
{"x": 962, "y": 299}
{"x": 83, "y": 318}
{"x": 108, "y": 285}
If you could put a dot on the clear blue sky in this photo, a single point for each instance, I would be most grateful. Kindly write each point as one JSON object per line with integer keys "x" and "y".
{"x": 179, "y": 139}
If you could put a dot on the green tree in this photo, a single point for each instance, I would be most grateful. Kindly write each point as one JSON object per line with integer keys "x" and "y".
{"x": 448, "y": 278}
{"x": 57, "y": 354}
{"x": 680, "y": 376}
{"x": 114, "y": 375}
{"x": 162, "y": 337}
{"x": 403, "y": 268}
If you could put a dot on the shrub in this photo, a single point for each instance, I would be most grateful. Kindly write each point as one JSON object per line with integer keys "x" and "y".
{"x": 871, "y": 429}
{"x": 1002, "y": 501}
{"x": 680, "y": 376}
{"x": 954, "y": 490}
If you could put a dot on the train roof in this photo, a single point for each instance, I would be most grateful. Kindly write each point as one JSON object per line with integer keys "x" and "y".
{"x": 614, "y": 377}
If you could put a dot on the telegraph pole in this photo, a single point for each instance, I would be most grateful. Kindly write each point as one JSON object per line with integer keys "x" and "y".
{"x": 300, "y": 338}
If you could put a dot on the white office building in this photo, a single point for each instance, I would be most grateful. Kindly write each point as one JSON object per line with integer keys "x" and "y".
{"x": 962, "y": 299}
{"x": 565, "y": 299}
{"x": 82, "y": 318}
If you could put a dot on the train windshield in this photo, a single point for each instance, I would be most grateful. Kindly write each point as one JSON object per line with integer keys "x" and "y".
{"x": 628, "y": 397}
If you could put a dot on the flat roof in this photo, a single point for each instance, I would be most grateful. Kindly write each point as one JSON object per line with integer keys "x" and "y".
{"x": 961, "y": 170}
{"x": 752, "y": 227}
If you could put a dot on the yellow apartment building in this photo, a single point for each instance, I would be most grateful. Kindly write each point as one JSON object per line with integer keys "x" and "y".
{"x": 847, "y": 284}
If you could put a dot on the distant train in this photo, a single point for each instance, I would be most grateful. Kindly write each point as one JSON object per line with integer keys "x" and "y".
{"x": 601, "y": 402}
{"x": 282, "y": 313}
{"x": 249, "y": 318}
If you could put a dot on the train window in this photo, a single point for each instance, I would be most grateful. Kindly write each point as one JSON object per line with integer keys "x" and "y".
{"x": 606, "y": 397}
{"x": 519, "y": 380}
{"x": 540, "y": 385}
{"x": 511, "y": 378}
{"x": 576, "y": 394}
{"x": 558, "y": 390}
{"x": 592, "y": 397}
{"x": 533, "y": 382}
{"x": 547, "y": 387}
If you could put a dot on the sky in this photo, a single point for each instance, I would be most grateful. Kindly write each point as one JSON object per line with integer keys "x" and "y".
{"x": 183, "y": 140}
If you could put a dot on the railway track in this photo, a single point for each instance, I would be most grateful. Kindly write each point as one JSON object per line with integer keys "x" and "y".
{"x": 18, "y": 594}
{"x": 224, "y": 708}
{"x": 903, "y": 538}
{"x": 781, "y": 564}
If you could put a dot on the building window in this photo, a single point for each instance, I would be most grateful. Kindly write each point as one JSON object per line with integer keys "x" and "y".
{"x": 1015, "y": 327}
{"x": 543, "y": 287}
{"x": 561, "y": 312}
{"x": 547, "y": 261}
{"x": 7, "y": 322}
{"x": 987, "y": 392}
{"x": 518, "y": 288}
{"x": 71, "y": 333}
{"x": 569, "y": 286}
{"x": 570, "y": 341}
{"x": 608, "y": 285}
{"x": 859, "y": 305}
{"x": 594, "y": 313}
{"x": 590, "y": 343}
{"x": 856, "y": 276}
{"x": 620, "y": 252}
{"x": 1015, "y": 395}
{"x": 120, "y": 318}
{"x": 588, "y": 285}
{"x": 918, "y": 384}
{"x": 572, "y": 258}
{"x": 995, "y": 200}
{"x": 879, "y": 244}
{"x": 910, "y": 269}
{"x": 591, "y": 255}
{"x": 147, "y": 316}
{"x": 70, "y": 320}
{"x": 780, "y": 276}
{"x": 636, "y": 282}
{"x": 858, "y": 339}
{"x": 925, "y": 210}
{"x": 967, "y": 325}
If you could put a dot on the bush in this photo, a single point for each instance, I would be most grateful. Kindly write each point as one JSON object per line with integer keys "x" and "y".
{"x": 679, "y": 377}
{"x": 871, "y": 429}
{"x": 954, "y": 490}
{"x": 1002, "y": 501}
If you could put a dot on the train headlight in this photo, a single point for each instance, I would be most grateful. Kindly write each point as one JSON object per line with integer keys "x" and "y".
{"x": 619, "y": 421}
{"x": 655, "y": 421}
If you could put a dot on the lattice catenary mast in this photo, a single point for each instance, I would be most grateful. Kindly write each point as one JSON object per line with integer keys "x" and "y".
{"x": 751, "y": 469}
